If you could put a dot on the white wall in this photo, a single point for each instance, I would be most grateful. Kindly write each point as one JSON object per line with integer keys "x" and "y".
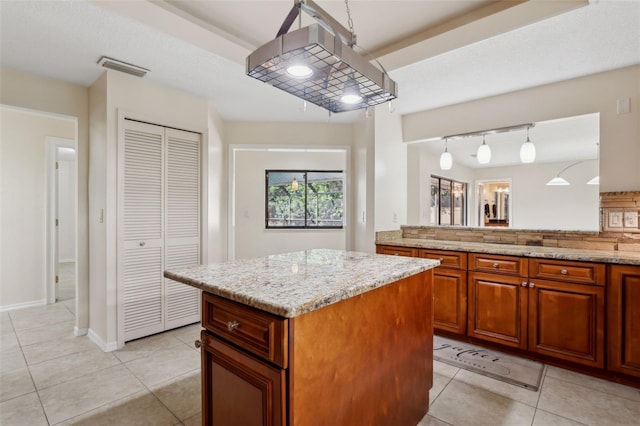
{"x": 66, "y": 210}
{"x": 363, "y": 185}
{"x": 251, "y": 237}
{"x": 390, "y": 170}
{"x": 29, "y": 91}
{"x": 619, "y": 133}
{"x": 23, "y": 203}
{"x": 113, "y": 95}
{"x": 240, "y": 135}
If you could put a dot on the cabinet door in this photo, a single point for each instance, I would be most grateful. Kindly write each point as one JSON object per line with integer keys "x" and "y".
{"x": 237, "y": 389}
{"x": 566, "y": 321}
{"x": 498, "y": 309}
{"x": 182, "y": 224}
{"x": 141, "y": 200}
{"x": 623, "y": 319}
{"x": 450, "y": 300}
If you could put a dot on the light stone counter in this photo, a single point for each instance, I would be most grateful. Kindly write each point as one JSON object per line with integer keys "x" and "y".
{"x": 604, "y": 256}
{"x": 293, "y": 284}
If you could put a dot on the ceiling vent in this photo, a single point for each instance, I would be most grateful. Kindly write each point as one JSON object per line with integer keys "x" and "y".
{"x": 124, "y": 67}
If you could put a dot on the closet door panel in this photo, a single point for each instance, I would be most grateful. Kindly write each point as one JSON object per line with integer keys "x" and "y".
{"x": 182, "y": 241}
{"x": 142, "y": 257}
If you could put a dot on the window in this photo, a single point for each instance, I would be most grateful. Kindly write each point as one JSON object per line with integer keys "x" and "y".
{"x": 448, "y": 202}
{"x": 304, "y": 199}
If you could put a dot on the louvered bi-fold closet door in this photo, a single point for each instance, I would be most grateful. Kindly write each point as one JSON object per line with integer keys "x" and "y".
{"x": 142, "y": 262}
{"x": 182, "y": 224}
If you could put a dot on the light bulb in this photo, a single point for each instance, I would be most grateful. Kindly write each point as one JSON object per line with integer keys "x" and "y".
{"x": 300, "y": 71}
{"x": 484, "y": 153}
{"x": 351, "y": 93}
{"x": 446, "y": 160}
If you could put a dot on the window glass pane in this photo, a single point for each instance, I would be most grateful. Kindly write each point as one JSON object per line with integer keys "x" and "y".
{"x": 435, "y": 201}
{"x": 445, "y": 202}
{"x": 300, "y": 199}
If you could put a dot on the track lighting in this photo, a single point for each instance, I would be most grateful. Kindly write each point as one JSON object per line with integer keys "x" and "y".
{"x": 446, "y": 160}
{"x": 484, "y": 152}
{"x": 528, "y": 152}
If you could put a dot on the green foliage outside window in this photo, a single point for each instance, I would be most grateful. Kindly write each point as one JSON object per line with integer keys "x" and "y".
{"x": 304, "y": 199}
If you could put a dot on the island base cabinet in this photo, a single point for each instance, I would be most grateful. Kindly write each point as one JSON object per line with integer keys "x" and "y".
{"x": 566, "y": 321}
{"x": 238, "y": 389}
{"x": 623, "y": 320}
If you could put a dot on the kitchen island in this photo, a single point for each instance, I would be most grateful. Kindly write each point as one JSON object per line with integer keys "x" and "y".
{"x": 315, "y": 337}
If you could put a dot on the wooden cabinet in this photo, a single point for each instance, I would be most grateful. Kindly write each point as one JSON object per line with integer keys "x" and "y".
{"x": 566, "y": 316}
{"x": 498, "y": 299}
{"x": 367, "y": 360}
{"x": 449, "y": 290}
{"x": 623, "y": 319}
{"x": 238, "y": 389}
{"x": 396, "y": 251}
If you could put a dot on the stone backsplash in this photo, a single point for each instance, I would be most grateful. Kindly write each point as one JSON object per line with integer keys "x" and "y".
{"x": 619, "y": 213}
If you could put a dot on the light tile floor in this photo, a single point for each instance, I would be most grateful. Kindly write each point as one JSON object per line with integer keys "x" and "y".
{"x": 50, "y": 377}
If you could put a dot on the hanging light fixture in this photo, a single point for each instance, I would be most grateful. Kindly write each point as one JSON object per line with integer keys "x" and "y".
{"x": 560, "y": 181}
{"x": 528, "y": 151}
{"x": 318, "y": 64}
{"x": 294, "y": 184}
{"x": 484, "y": 152}
{"x": 446, "y": 160}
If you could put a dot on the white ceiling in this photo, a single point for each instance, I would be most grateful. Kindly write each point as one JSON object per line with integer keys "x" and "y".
{"x": 439, "y": 52}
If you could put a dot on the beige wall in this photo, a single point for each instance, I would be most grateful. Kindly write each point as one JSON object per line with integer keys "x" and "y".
{"x": 363, "y": 185}
{"x": 117, "y": 95}
{"x": 619, "y": 134}
{"x": 23, "y": 203}
{"x": 251, "y": 239}
{"x": 42, "y": 94}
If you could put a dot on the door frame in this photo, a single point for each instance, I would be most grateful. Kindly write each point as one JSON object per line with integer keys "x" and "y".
{"x": 52, "y": 145}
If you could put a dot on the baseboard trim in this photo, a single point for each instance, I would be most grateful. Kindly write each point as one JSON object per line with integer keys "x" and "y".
{"x": 106, "y": 347}
{"x": 22, "y": 305}
{"x": 80, "y": 331}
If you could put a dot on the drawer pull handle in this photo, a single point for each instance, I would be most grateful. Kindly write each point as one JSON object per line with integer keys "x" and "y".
{"x": 495, "y": 264}
{"x": 524, "y": 284}
{"x": 197, "y": 344}
{"x": 232, "y": 325}
{"x": 563, "y": 271}
{"x": 531, "y": 285}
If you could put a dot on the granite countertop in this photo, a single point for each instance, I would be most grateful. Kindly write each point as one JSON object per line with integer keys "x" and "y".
{"x": 292, "y": 284}
{"x": 605, "y": 256}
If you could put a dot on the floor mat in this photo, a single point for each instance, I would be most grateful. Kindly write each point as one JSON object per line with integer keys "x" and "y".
{"x": 517, "y": 371}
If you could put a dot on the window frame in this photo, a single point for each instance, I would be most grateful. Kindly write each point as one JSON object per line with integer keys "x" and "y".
{"x": 303, "y": 183}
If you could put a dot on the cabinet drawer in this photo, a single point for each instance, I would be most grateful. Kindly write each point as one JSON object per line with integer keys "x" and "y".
{"x": 258, "y": 332}
{"x": 562, "y": 270}
{"x": 448, "y": 259}
{"x": 396, "y": 251}
{"x": 510, "y": 265}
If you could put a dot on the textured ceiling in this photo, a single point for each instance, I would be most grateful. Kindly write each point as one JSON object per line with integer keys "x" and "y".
{"x": 64, "y": 39}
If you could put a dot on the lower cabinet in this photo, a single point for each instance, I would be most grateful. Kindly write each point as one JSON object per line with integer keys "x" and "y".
{"x": 566, "y": 321}
{"x": 449, "y": 291}
{"x": 623, "y": 320}
{"x": 498, "y": 309}
{"x": 238, "y": 389}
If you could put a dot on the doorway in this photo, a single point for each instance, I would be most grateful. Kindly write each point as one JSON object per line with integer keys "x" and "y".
{"x": 494, "y": 203}
{"x": 62, "y": 221}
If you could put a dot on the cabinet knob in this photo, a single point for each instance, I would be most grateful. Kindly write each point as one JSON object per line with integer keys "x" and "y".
{"x": 524, "y": 284}
{"x": 563, "y": 271}
{"x": 142, "y": 244}
{"x": 495, "y": 264}
{"x": 531, "y": 285}
{"x": 232, "y": 325}
{"x": 441, "y": 259}
{"x": 197, "y": 344}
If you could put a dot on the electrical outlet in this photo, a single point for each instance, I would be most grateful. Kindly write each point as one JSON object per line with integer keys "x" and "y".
{"x": 395, "y": 217}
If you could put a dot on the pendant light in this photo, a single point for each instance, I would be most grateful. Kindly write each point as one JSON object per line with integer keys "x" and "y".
{"x": 446, "y": 160}
{"x": 351, "y": 93}
{"x": 528, "y": 150}
{"x": 484, "y": 152}
{"x": 294, "y": 184}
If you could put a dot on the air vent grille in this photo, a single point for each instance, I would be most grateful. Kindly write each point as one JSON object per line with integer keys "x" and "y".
{"x": 124, "y": 67}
